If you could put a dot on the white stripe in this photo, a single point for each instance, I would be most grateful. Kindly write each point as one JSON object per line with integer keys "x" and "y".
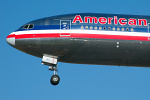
{"x": 83, "y": 31}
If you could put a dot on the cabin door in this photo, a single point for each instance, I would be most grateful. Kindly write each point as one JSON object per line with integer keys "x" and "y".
{"x": 65, "y": 27}
{"x": 148, "y": 31}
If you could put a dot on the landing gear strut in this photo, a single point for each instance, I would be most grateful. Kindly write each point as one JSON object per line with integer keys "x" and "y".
{"x": 55, "y": 78}
{"x": 52, "y": 62}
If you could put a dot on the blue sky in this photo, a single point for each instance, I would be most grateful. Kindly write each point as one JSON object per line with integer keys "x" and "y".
{"x": 22, "y": 77}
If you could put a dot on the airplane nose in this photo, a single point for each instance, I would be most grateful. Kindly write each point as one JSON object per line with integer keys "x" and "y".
{"x": 11, "y": 39}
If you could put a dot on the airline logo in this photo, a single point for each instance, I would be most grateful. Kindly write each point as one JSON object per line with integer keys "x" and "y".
{"x": 110, "y": 20}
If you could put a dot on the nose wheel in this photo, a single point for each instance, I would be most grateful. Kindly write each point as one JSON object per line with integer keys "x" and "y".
{"x": 55, "y": 79}
{"x": 52, "y": 62}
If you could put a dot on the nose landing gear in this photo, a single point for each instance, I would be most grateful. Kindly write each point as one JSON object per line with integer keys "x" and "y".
{"x": 55, "y": 78}
{"x": 52, "y": 62}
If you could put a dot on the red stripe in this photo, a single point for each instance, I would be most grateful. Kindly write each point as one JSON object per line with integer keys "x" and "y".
{"x": 11, "y": 36}
{"x": 120, "y": 37}
{"x": 82, "y": 35}
{"x": 65, "y": 33}
{"x": 51, "y": 35}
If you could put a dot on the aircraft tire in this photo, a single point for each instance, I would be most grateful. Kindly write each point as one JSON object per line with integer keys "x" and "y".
{"x": 55, "y": 79}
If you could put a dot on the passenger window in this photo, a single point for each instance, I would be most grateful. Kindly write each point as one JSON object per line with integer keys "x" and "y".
{"x": 95, "y": 28}
{"x": 114, "y": 29}
{"x": 100, "y": 28}
{"x": 86, "y": 27}
{"x": 127, "y": 29}
{"x": 132, "y": 30}
{"x": 104, "y": 28}
{"x": 118, "y": 29}
{"x": 122, "y": 29}
{"x": 91, "y": 27}
{"x": 82, "y": 27}
{"x": 109, "y": 28}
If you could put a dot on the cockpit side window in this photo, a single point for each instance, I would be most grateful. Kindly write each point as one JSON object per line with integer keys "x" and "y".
{"x": 29, "y": 26}
{"x": 25, "y": 27}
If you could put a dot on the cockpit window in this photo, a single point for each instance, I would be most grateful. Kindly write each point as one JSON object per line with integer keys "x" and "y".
{"x": 25, "y": 27}
{"x": 29, "y": 26}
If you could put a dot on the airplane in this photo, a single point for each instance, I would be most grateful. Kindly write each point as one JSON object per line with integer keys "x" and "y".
{"x": 86, "y": 38}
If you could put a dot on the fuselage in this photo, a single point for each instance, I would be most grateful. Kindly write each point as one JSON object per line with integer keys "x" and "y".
{"x": 87, "y": 38}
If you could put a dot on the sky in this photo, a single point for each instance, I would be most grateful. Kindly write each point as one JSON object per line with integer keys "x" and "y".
{"x": 23, "y": 77}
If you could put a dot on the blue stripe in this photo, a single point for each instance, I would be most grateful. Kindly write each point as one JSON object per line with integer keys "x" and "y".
{"x": 51, "y": 27}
